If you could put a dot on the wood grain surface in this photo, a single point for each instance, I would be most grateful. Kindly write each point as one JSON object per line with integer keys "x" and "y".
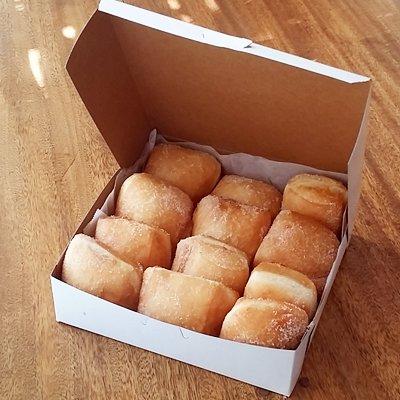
{"x": 53, "y": 164}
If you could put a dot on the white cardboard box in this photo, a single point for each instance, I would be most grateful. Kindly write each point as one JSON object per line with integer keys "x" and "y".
{"x": 136, "y": 70}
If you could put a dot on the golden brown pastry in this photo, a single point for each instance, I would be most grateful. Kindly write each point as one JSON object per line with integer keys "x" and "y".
{"x": 134, "y": 242}
{"x": 267, "y": 323}
{"x": 91, "y": 268}
{"x": 239, "y": 225}
{"x": 320, "y": 284}
{"x": 188, "y": 301}
{"x": 192, "y": 171}
{"x": 250, "y": 191}
{"x": 148, "y": 199}
{"x": 316, "y": 196}
{"x": 274, "y": 281}
{"x": 300, "y": 243}
{"x": 211, "y": 259}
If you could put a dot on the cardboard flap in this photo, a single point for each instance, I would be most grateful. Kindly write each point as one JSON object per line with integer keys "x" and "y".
{"x": 101, "y": 76}
{"x": 136, "y": 70}
{"x": 172, "y": 25}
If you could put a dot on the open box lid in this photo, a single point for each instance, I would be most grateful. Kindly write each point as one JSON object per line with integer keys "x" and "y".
{"x": 136, "y": 70}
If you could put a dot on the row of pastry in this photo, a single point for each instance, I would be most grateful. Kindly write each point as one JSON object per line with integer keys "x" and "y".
{"x": 226, "y": 256}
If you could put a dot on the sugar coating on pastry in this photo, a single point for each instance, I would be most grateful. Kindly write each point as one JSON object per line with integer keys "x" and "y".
{"x": 267, "y": 323}
{"x": 188, "y": 301}
{"x": 148, "y": 199}
{"x": 91, "y": 268}
{"x": 274, "y": 281}
{"x": 316, "y": 196}
{"x": 134, "y": 242}
{"x": 194, "y": 172}
{"x": 211, "y": 259}
{"x": 300, "y": 243}
{"x": 239, "y": 225}
{"x": 250, "y": 191}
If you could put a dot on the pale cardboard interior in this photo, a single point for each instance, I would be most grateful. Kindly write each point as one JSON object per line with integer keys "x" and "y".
{"x": 231, "y": 100}
{"x": 234, "y": 96}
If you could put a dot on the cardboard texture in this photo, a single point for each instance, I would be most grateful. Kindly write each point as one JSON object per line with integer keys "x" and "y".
{"x": 288, "y": 115}
{"x": 136, "y": 70}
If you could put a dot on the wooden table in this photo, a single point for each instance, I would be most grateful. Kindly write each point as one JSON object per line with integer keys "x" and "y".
{"x": 53, "y": 164}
